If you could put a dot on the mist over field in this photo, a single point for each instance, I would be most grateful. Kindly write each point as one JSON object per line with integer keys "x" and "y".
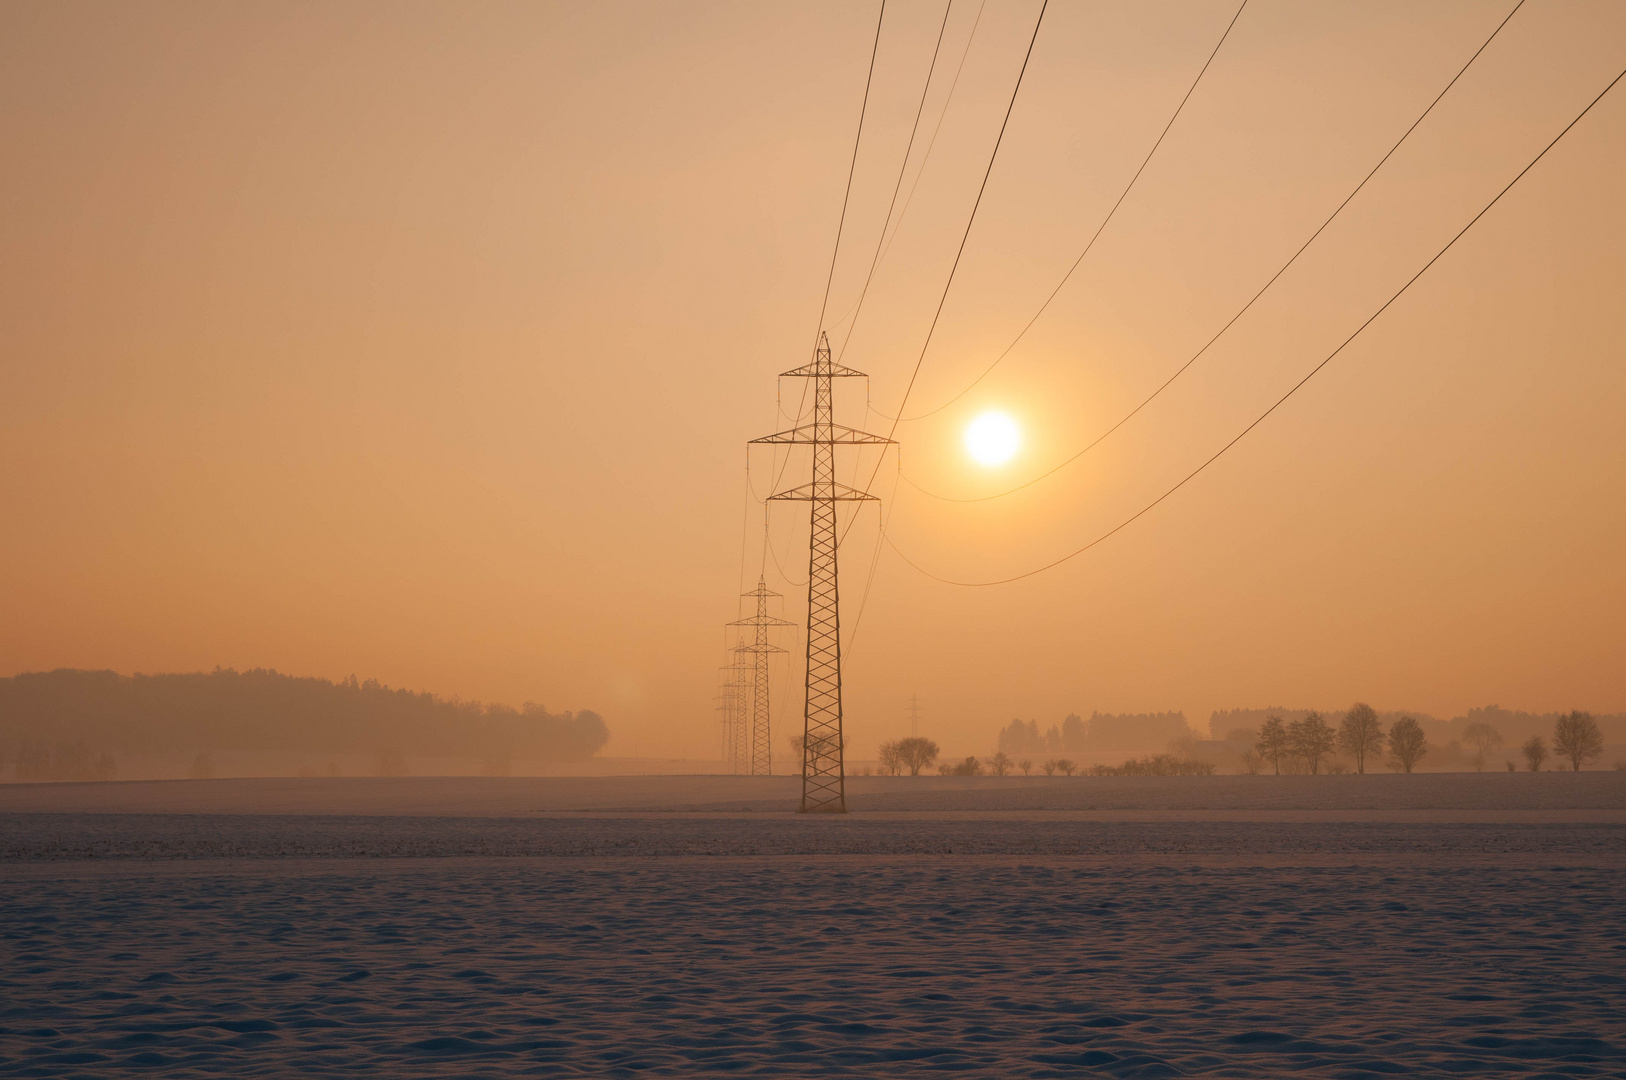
{"x": 99, "y": 725}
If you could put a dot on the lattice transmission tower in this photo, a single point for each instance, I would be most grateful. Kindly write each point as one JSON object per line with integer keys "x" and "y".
{"x": 759, "y": 649}
{"x": 914, "y": 715}
{"x": 732, "y": 704}
{"x": 823, "y": 773}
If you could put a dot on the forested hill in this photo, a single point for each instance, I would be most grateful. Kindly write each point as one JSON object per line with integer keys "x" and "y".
{"x": 263, "y": 710}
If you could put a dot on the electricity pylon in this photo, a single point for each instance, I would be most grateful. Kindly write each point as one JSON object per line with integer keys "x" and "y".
{"x": 914, "y": 715}
{"x": 759, "y": 649}
{"x": 732, "y": 707}
{"x": 823, "y": 775}
{"x": 725, "y": 705}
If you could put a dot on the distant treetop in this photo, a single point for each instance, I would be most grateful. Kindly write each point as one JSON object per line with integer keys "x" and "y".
{"x": 265, "y": 710}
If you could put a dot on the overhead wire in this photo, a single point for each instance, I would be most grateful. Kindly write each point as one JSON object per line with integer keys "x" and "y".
{"x": 970, "y": 221}
{"x": 841, "y": 224}
{"x": 852, "y": 167}
{"x": 881, "y": 243}
{"x": 903, "y": 168}
{"x": 1098, "y": 231}
{"x": 1251, "y": 301}
{"x": 888, "y": 509}
{"x": 1293, "y": 390}
{"x": 927, "y": 156}
{"x": 993, "y": 156}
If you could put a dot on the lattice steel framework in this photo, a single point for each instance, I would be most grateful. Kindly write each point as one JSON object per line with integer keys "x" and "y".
{"x": 736, "y": 757}
{"x": 759, "y": 649}
{"x": 823, "y": 774}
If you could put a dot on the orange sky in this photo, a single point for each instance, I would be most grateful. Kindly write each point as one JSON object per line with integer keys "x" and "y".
{"x": 422, "y": 342}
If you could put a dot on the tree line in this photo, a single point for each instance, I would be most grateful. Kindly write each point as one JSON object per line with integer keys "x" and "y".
{"x": 1311, "y": 741}
{"x": 913, "y": 755}
{"x": 1101, "y": 732}
{"x": 1308, "y": 742}
{"x": 70, "y": 724}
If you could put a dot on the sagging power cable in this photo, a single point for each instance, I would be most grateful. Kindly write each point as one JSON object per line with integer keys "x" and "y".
{"x": 947, "y": 285}
{"x": 1181, "y": 370}
{"x": 841, "y": 224}
{"x": 931, "y": 144}
{"x": 852, "y": 167}
{"x": 903, "y": 168}
{"x": 1098, "y": 230}
{"x": 970, "y": 221}
{"x": 1293, "y": 390}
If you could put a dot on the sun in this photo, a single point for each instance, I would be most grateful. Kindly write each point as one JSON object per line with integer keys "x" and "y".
{"x": 992, "y": 438}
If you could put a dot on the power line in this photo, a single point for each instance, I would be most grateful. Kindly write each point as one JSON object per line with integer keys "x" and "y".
{"x": 885, "y": 512}
{"x": 852, "y": 167}
{"x": 930, "y": 145}
{"x": 880, "y": 241}
{"x": 1296, "y": 386}
{"x": 1245, "y": 307}
{"x": 777, "y": 565}
{"x": 947, "y": 285}
{"x": 1098, "y": 231}
{"x": 841, "y": 223}
{"x": 897, "y": 187}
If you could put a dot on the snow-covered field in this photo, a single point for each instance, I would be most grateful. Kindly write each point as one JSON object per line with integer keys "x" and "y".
{"x": 1485, "y": 940}
{"x": 433, "y": 796}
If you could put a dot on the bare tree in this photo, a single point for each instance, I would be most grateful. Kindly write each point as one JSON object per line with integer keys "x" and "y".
{"x": 969, "y": 767}
{"x": 1251, "y": 762}
{"x": 916, "y": 753}
{"x": 1026, "y": 765}
{"x": 1049, "y": 767}
{"x": 1407, "y": 743}
{"x": 1534, "y": 751}
{"x": 1066, "y": 767}
{"x": 1360, "y": 735}
{"x": 1000, "y": 764}
{"x": 1483, "y": 738}
{"x": 1272, "y": 742}
{"x": 890, "y": 758}
{"x": 1577, "y": 737}
{"x": 1311, "y": 739}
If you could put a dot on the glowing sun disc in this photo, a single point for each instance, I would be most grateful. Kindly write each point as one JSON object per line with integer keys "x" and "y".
{"x": 992, "y": 438}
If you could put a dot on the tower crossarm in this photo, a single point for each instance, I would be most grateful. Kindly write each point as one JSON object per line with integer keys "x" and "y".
{"x": 839, "y": 435}
{"x": 822, "y": 367}
{"x": 828, "y": 491}
{"x": 762, "y": 620}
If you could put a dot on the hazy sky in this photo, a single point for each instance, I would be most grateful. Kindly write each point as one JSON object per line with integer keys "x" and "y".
{"x": 422, "y": 342}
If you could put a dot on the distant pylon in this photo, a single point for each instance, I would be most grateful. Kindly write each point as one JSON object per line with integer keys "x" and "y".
{"x": 914, "y": 715}
{"x": 759, "y": 649}
{"x": 823, "y": 774}
{"x": 725, "y": 705}
{"x": 739, "y": 754}
{"x": 732, "y": 706}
